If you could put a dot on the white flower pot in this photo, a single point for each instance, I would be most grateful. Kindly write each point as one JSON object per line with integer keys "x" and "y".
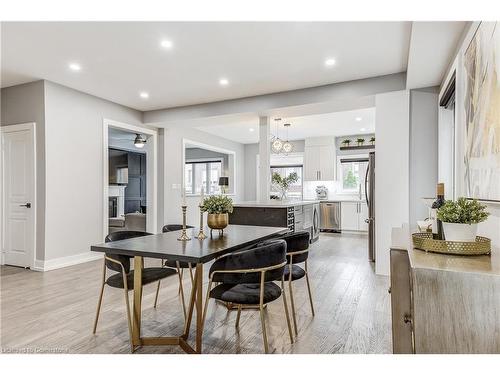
{"x": 460, "y": 232}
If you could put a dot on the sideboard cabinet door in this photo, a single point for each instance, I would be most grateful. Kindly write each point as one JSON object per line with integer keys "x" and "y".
{"x": 401, "y": 303}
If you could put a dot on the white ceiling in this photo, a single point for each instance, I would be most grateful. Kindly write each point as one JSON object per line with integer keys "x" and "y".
{"x": 328, "y": 124}
{"x": 121, "y": 59}
{"x": 432, "y": 47}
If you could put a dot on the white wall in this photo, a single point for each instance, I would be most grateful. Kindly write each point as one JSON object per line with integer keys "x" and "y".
{"x": 74, "y": 168}
{"x": 174, "y": 170}
{"x": 423, "y": 150}
{"x": 22, "y": 104}
{"x": 391, "y": 171}
{"x": 490, "y": 228}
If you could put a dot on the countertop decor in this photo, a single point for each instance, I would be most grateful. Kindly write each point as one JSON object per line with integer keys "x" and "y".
{"x": 424, "y": 241}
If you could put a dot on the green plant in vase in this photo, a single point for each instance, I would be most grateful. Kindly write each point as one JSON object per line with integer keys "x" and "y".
{"x": 218, "y": 208}
{"x": 460, "y": 219}
{"x": 283, "y": 183}
{"x": 360, "y": 141}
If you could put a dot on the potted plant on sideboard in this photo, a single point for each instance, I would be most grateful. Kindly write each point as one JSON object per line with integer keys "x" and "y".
{"x": 360, "y": 141}
{"x": 218, "y": 208}
{"x": 460, "y": 219}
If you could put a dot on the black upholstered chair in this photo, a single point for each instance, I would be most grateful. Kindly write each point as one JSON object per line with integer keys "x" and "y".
{"x": 246, "y": 279}
{"x": 123, "y": 276}
{"x": 297, "y": 248}
{"x": 179, "y": 266}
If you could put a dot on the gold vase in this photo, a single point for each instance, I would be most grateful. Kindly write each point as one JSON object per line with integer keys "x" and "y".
{"x": 217, "y": 221}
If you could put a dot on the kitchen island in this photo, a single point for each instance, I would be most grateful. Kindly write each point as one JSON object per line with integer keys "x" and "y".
{"x": 295, "y": 214}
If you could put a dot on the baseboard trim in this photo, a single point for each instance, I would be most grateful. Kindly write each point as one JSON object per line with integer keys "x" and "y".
{"x": 54, "y": 264}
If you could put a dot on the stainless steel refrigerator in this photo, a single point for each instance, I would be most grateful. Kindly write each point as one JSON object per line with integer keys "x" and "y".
{"x": 370, "y": 201}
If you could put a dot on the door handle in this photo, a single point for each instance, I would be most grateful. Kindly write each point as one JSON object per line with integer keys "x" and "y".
{"x": 27, "y": 205}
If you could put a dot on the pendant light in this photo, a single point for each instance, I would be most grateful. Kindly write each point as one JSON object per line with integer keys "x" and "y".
{"x": 277, "y": 143}
{"x": 287, "y": 146}
{"x": 139, "y": 141}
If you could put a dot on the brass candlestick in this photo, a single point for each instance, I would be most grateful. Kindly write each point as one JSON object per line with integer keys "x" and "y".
{"x": 184, "y": 236}
{"x": 201, "y": 235}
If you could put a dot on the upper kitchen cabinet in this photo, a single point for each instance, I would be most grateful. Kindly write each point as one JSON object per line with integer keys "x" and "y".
{"x": 319, "y": 159}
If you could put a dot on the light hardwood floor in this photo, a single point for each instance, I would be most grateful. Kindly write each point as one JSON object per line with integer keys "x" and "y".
{"x": 54, "y": 311}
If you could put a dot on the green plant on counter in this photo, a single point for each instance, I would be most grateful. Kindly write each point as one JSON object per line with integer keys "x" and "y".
{"x": 360, "y": 141}
{"x": 346, "y": 142}
{"x": 372, "y": 140}
{"x": 217, "y": 204}
{"x": 283, "y": 183}
{"x": 462, "y": 211}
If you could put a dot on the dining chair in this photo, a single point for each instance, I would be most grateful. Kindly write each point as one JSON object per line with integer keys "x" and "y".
{"x": 178, "y": 266}
{"x": 246, "y": 279}
{"x": 297, "y": 251}
{"x": 123, "y": 278}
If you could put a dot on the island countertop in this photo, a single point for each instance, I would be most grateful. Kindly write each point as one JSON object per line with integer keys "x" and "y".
{"x": 275, "y": 203}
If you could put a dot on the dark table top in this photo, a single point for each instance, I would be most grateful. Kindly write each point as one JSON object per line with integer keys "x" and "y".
{"x": 166, "y": 245}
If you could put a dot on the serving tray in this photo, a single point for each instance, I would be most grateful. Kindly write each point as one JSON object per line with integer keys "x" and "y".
{"x": 424, "y": 241}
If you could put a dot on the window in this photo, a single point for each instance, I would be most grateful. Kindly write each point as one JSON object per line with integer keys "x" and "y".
{"x": 203, "y": 174}
{"x": 295, "y": 191}
{"x": 352, "y": 174}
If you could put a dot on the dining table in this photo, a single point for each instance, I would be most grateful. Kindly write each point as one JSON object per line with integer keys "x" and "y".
{"x": 168, "y": 246}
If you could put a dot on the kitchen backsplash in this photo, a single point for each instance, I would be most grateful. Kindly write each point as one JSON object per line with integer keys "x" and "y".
{"x": 332, "y": 186}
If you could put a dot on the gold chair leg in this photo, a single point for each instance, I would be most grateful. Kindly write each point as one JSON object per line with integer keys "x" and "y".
{"x": 205, "y": 308}
{"x": 292, "y": 302}
{"x": 237, "y": 324}
{"x": 261, "y": 309}
{"x": 100, "y": 296}
{"x": 157, "y": 292}
{"x": 98, "y": 308}
{"x": 309, "y": 289}
{"x": 129, "y": 318}
{"x": 264, "y": 334}
{"x": 286, "y": 310}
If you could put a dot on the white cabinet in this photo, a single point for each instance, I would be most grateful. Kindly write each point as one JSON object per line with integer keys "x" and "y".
{"x": 311, "y": 163}
{"x": 349, "y": 216}
{"x": 353, "y": 215}
{"x": 319, "y": 159}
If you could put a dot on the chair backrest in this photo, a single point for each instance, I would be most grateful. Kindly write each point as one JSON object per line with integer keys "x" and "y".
{"x": 123, "y": 259}
{"x": 297, "y": 241}
{"x": 173, "y": 227}
{"x": 268, "y": 255}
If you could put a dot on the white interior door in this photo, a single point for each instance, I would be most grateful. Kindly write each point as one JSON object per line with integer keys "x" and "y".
{"x": 18, "y": 194}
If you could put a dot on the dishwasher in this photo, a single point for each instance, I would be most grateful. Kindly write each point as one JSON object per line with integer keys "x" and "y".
{"x": 329, "y": 216}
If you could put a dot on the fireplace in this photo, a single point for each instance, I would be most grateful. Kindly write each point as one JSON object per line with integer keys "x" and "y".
{"x": 113, "y": 207}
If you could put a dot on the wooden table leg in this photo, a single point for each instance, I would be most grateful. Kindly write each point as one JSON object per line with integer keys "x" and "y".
{"x": 136, "y": 327}
{"x": 199, "y": 306}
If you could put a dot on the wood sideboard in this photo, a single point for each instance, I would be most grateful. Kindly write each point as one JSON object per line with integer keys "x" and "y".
{"x": 444, "y": 303}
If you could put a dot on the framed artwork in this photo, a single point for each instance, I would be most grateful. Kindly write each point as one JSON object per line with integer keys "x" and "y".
{"x": 482, "y": 114}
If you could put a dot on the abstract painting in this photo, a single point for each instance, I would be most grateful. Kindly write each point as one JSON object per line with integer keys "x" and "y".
{"x": 482, "y": 113}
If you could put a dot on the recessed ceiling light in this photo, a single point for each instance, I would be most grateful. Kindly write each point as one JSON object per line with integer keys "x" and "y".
{"x": 251, "y": 129}
{"x": 75, "y": 67}
{"x": 144, "y": 95}
{"x": 167, "y": 44}
{"x": 330, "y": 62}
{"x": 223, "y": 82}
{"x": 358, "y": 119}
{"x": 363, "y": 129}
